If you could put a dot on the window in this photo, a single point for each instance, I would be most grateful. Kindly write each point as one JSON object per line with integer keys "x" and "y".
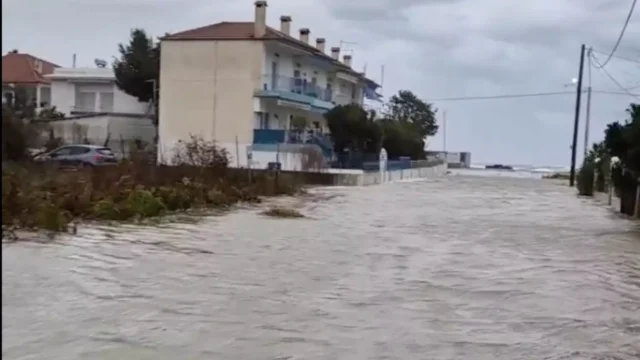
{"x": 85, "y": 100}
{"x": 45, "y": 96}
{"x": 106, "y": 101}
{"x": 79, "y": 150}
{"x": 63, "y": 151}
{"x": 264, "y": 121}
{"x": 297, "y": 82}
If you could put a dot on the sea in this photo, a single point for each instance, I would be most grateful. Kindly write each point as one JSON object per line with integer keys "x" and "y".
{"x": 528, "y": 171}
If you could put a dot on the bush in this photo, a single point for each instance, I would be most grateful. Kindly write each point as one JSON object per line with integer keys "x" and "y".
{"x": 585, "y": 179}
{"x": 141, "y": 203}
{"x": 34, "y": 196}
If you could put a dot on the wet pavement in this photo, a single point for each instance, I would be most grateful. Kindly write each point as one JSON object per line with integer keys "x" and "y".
{"x": 461, "y": 267}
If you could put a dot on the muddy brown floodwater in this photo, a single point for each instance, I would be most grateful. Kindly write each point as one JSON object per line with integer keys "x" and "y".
{"x": 453, "y": 268}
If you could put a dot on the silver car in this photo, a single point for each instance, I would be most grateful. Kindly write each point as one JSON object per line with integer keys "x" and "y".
{"x": 79, "y": 156}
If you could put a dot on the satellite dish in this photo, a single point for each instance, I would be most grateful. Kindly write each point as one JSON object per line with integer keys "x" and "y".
{"x": 100, "y": 63}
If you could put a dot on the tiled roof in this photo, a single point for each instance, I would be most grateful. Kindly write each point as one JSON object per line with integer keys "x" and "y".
{"x": 245, "y": 31}
{"x": 20, "y": 68}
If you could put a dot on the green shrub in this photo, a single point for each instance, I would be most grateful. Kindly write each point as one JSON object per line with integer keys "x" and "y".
{"x": 107, "y": 209}
{"x": 175, "y": 198}
{"x": 141, "y": 203}
{"x": 585, "y": 179}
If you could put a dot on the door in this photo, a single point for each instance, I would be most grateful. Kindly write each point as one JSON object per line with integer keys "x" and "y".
{"x": 59, "y": 157}
{"x": 274, "y": 75}
{"x": 297, "y": 82}
{"x": 78, "y": 156}
{"x": 264, "y": 121}
{"x": 313, "y": 89}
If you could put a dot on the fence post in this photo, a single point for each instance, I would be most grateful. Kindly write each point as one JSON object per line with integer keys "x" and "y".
{"x": 237, "y": 153}
{"x": 250, "y": 163}
{"x": 278, "y": 166}
{"x": 636, "y": 210}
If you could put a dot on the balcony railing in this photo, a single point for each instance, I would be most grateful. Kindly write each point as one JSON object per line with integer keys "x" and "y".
{"x": 269, "y": 136}
{"x": 279, "y": 136}
{"x": 295, "y": 85}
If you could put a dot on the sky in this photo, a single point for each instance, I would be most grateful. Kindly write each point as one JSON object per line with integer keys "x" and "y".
{"x": 436, "y": 48}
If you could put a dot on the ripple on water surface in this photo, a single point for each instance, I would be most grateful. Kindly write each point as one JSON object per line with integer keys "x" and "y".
{"x": 453, "y": 268}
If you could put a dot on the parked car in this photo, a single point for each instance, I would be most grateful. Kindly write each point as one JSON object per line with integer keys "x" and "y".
{"x": 79, "y": 156}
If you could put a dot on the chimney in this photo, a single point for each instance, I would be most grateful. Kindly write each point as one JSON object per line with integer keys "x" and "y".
{"x": 335, "y": 53}
{"x": 285, "y": 24}
{"x": 320, "y": 44}
{"x": 260, "y": 21}
{"x": 347, "y": 60}
{"x": 304, "y": 35}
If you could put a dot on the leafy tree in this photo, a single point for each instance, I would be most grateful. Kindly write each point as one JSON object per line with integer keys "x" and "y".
{"x": 406, "y": 107}
{"x": 401, "y": 139}
{"x": 623, "y": 140}
{"x": 137, "y": 69}
{"x": 353, "y": 129}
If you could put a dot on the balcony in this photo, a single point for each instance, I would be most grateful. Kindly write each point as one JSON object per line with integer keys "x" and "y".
{"x": 269, "y": 136}
{"x": 296, "y": 89}
{"x": 279, "y": 136}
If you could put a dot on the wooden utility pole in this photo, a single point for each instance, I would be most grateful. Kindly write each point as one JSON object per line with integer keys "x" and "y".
{"x": 576, "y": 121}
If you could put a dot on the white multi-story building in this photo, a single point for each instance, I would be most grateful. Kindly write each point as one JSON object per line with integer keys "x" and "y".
{"x": 241, "y": 84}
{"x": 89, "y": 97}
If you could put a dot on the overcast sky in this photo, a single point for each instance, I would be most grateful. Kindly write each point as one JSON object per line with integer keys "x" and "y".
{"x": 436, "y": 48}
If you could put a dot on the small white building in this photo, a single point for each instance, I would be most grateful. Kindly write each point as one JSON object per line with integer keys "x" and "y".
{"x": 245, "y": 85}
{"x": 95, "y": 106}
{"x": 82, "y": 91}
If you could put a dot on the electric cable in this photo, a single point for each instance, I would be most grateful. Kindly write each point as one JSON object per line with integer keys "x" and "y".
{"x": 624, "y": 29}
{"x": 612, "y": 78}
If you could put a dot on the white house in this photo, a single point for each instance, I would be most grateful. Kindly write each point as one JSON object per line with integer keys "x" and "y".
{"x": 242, "y": 83}
{"x": 91, "y": 90}
{"x": 90, "y": 98}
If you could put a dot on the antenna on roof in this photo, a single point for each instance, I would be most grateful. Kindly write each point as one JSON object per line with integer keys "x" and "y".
{"x": 100, "y": 63}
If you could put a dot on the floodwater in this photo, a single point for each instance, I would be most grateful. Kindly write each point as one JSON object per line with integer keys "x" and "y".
{"x": 461, "y": 267}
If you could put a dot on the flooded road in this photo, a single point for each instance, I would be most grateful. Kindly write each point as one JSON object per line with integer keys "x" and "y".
{"x": 452, "y": 268}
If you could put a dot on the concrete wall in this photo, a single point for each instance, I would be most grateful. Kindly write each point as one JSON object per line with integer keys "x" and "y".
{"x": 374, "y": 178}
{"x": 207, "y": 90}
{"x": 350, "y": 177}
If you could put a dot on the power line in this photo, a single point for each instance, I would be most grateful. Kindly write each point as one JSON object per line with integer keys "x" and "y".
{"x": 637, "y": 61}
{"x": 512, "y": 96}
{"x": 624, "y": 29}
{"x": 506, "y": 96}
{"x": 601, "y": 67}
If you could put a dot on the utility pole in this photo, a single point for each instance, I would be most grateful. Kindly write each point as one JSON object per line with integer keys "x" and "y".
{"x": 587, "y": 120}
{"x": 576, "y": 121}
{"x": 444, "y": 132}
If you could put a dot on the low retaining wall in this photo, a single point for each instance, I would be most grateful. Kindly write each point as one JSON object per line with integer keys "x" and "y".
{"x": 353, "y": 177}
{"x": 377, "y": 177}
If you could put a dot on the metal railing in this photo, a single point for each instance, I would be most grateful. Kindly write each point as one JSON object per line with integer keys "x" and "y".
{"x": 371, "y": 162}
{"x": 280, "y": 136}
{"x": 295, "y": 85}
